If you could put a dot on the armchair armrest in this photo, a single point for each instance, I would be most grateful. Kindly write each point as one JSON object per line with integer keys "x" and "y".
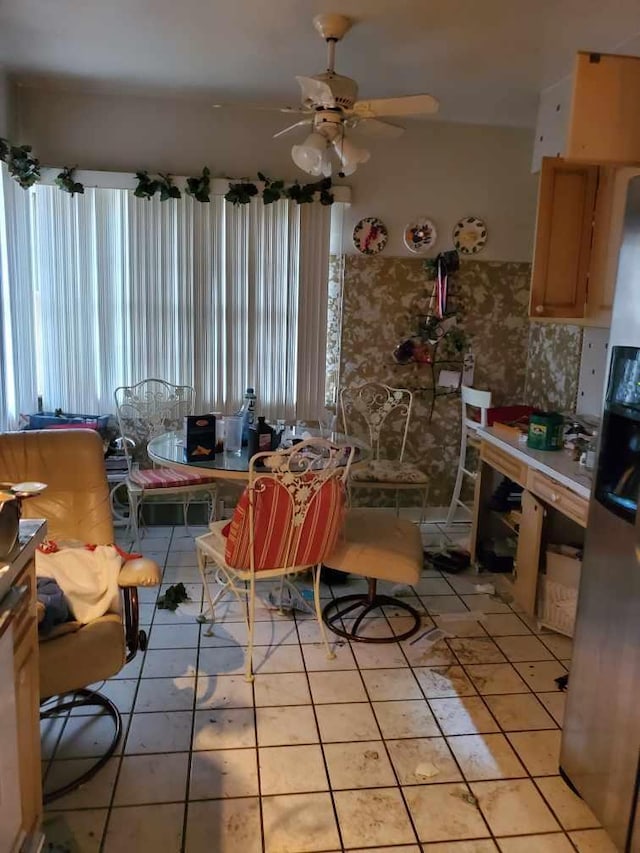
{"x": 139, "y": 572}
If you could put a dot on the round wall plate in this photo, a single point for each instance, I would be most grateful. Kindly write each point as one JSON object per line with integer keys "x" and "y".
{"x": 420, "y": 235}
{"x": 370, "y": 235}
{"x": 470, "y": 235}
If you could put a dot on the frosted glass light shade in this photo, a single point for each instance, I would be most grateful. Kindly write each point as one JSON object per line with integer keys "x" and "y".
{"x": 311, "y": 155}
{"x": 350, "y": 156}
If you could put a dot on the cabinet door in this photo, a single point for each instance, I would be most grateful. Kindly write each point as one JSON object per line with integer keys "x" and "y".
{"x": 528, "y": 554}
{"x": 28, "y": 714}
{"x": 566, "y": 204}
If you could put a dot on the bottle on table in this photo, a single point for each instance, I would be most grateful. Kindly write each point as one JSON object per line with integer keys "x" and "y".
{"x": 262, "y": 437}
{"x": 247, "y": 412}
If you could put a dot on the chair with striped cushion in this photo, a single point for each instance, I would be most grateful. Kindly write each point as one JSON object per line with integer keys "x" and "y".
{"x": 144, "y": 411}
{"x": 287, "y": 521}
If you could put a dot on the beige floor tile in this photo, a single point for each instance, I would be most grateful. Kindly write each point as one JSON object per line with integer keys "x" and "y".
{"x": 169, "y": 663}
{"x": 358, "y": 765}
{"x": 224, "y": 691}
{"x": 286, "y": 726}
{"x": 292, "y": 769}
{"x": 562, "y": 647}
{"x": 373, "y": 818}
{"x": 437, "y": 604}
{"x": 485, "y": 603}
{"x": 121, "y": 692}
{"x": 145, "y": 828}
{"x": 432, "y": 586}
{"x": 513, "y": 807}
{"x": 87, "y": 736}
{"x": 423, "y": 761}
{"x": 224, "y": 826}
{"x": 445, "y": 813}
{"x": 235, "y": 634}
{"x": 379, "y": 655}
{"x": 301, "y": 822}
{"x": 131, "y": 669}
{"x": 223, "y": 773}
{"x": 541, "y": 676}
{"x": 524, "y": 648}
{"x": 224, "y": 728}
{"x": 476, "y": 650}
{"x": 165, "y": 694}
{"x": 332, "y": 687}
{"x": 477, "y": 846}
{"x": 346, "y": 722}
{"x": 269, "y": 659}
{"x": 519, "y": 712}
{"x": 94, "y": 794}
{"x": 463, "y": 715}
{"x": 159, "y": 732}
{"x": 592, "y": 841}
{"x": 227, "y": 660}
{"x": 496, "y": 678}
{"x": 281, "y": 689}
{"x": 315, "y": 657}
{"x": 422, "y": 653}
{"x": 554, "y": 703}
{"x": 174, "y": 637}
{"x": 185, "y": 613}
{"x": 405, "y": 718}
{"x": 309, "y": 632}
{"x": 384, "y": 684}
{"x": 404, "y": 848}
{"x": 438, "y": 682}
{"x": 78, "y": 830}
{"x": 571, "y": 811}
{"x": 486, "y": 756}
{"x": 504, "y": 624}
{"x": 555, "y": 842}
{"x": 467, "y": 625}
{"x": 152, "y": 779}
{"x": 540, "y": 751}
{"x": 50, "y": 730}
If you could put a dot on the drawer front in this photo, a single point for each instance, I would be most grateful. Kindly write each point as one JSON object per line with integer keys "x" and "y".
{"x": 27, "y": 609}
{"x": 559, "y": 496}
{"x": 504, "y": 462}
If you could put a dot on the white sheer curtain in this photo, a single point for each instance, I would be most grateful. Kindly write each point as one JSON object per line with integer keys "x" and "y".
{"x": 117, "y": 289}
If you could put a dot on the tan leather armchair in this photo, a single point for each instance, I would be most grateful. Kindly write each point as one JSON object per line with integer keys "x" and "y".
{"x": 76, "y": 506}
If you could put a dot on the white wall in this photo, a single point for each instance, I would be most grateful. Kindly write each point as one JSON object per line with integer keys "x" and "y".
{"x": 444, "y": 171}
{"x": 4, "y": 104}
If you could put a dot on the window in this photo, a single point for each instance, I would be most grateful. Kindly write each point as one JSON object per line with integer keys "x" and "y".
{"x": 112, "y": 289}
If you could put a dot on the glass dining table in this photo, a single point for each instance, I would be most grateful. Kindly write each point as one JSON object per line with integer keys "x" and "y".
{"x": 168, "y": 450}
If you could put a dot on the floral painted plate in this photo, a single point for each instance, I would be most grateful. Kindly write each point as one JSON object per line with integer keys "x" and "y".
{"x": 419, "y": 236}
{"x": 470, "y": 235}
{"x": 370, "y": 236}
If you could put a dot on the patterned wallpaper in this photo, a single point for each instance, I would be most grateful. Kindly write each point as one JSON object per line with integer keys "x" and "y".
{"x": 381, "y": 299}
{"x": 553, "y": 366}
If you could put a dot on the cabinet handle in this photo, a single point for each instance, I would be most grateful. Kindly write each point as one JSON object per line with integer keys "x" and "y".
{"x": 539, "y": 309}
{"x": 555, "y": 497}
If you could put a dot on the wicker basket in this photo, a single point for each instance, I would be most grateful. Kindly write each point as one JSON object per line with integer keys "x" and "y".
{"x": 557, "y": 606}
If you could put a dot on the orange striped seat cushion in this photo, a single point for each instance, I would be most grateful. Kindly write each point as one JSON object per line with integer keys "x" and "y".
{"x": 277, "y": 543}
{"x": 167, "y": 478}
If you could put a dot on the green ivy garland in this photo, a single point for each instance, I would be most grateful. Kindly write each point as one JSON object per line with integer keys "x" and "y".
{"x": 25, "y": 169}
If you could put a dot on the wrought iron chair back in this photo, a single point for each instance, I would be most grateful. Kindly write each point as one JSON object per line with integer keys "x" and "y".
{"x": 383, "y": 409}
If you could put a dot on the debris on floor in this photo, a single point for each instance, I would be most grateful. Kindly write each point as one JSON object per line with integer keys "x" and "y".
{"x": 562, "y": 681}
{"x": 174, "y": 596}
{"x": 452, "y": 560}
{"x": 461, "y": 617}
{"x": 489, "y": 588}
{"x": 426, "y": 770}
{"x": 431, "y": 636}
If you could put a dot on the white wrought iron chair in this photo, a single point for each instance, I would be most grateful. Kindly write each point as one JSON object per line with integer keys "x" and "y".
{"x": 385, "y": 413}
{"x": 475, "y": 399}
{"x": 144, "y": 411}
{"x": 287, "y": 521}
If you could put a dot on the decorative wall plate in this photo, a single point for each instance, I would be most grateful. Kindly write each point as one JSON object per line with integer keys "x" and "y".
{"x": 370, "y": 235}
{"x": 470, "y": 235}
{"x": 420, "y": 235}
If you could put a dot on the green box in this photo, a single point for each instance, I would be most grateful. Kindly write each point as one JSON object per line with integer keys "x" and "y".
{"x": 545, "y": 431}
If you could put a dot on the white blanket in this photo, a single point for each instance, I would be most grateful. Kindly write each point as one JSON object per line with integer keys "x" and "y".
{"x": 88, "y": 578}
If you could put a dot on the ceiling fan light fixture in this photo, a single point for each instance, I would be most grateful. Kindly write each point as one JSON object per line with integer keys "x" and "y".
{"x": 311, "y": 156}
{"x": 350, "y": 156}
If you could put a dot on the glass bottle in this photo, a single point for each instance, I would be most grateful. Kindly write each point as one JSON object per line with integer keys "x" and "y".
{"x": 247, "y": 412}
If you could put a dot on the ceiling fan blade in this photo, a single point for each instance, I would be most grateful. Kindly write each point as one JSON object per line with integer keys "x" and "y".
{"x": 375, "y": 127}
{"x": 316, "y": 92}
{"x": 293, "y": 127}
{"x": 266, "y": 107}
{"x": 408, "y": 105}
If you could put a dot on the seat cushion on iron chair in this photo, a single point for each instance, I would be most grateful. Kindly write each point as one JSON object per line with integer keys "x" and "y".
{"x": 378, "y": 545}
{"x": 388, "y": 471}
{"x": 92, "y": 653}
{"x": 168, "y": 478}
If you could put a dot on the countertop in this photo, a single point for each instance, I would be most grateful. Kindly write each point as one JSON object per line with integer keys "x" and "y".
{"x": 556, "y": 464}
{"x": 32, "y": 532}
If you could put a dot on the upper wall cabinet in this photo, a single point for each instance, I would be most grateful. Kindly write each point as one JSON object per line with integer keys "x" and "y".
{"x": 592, "y": 115}
{"x": 578, "y": 233}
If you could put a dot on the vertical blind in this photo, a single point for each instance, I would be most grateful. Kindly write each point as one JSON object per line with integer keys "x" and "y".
{"x": 104, "y": 289}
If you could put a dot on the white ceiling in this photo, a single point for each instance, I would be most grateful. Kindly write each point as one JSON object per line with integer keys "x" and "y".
{"x": 486, "y": 60}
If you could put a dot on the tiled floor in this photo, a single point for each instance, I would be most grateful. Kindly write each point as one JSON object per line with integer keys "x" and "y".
{"x": 400, "y": 747}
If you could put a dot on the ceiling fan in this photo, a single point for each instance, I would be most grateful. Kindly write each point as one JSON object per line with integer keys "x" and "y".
{"x": 330, "y": 107}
